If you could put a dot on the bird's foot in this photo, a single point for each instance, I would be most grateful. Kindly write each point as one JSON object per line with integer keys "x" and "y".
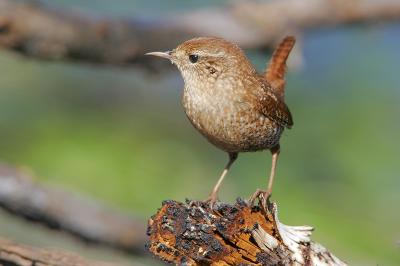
{"x": 211, "y": 200}
{"x": 262, "y": 195}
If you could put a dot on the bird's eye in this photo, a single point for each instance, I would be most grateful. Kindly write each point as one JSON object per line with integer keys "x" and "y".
{"x": 193, "y": 58}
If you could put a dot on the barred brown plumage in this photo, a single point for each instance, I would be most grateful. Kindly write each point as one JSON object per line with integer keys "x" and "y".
{"x": 227, "y": 101}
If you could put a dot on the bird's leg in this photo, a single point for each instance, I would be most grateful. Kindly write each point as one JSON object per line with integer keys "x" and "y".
{"x": 275, "y": 154}
{"x": 214, "y": 194}
{"x": 266, "y": 194}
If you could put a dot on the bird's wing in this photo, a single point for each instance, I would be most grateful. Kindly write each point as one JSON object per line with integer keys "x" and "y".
{"x": 273, "y": 107}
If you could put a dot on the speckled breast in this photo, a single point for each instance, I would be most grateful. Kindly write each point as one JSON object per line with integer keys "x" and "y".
{"x": 229, "y": 123}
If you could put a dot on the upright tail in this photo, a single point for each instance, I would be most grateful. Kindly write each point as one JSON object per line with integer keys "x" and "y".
{"x": 275, "y": 73}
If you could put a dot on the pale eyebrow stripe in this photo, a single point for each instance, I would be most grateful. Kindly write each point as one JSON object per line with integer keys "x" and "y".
{"x": 218, "y": 54}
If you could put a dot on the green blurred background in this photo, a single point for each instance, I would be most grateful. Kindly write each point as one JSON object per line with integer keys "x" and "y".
{"x": 120, "y": 135}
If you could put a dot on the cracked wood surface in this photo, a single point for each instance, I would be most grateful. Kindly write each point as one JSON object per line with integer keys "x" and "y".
{"x": 192, "y": 234}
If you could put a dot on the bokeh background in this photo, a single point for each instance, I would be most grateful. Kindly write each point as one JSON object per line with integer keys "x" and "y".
{"x": 120, "y": 136}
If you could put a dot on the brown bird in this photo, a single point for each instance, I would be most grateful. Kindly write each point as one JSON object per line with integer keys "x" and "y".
{"x": 228, "y": 102}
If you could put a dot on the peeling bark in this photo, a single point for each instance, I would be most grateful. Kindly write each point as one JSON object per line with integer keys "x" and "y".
{"x": 192, "y": 234}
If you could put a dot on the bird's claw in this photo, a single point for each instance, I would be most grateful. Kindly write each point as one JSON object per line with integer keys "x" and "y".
{"x": 212, "y": 200}
{"x": 262, "y": 195}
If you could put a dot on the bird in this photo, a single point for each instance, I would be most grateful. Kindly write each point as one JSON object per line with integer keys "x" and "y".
{"x": 233, "y": 106}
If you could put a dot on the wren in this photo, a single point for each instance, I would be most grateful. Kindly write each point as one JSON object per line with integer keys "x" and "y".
{"x": 229, "y": 103}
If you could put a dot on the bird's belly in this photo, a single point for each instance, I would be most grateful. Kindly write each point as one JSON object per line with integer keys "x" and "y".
{"x": 234, "y": 130}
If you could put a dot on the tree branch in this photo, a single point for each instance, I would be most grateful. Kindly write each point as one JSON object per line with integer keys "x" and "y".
{"x": 45, "y": 33}
{"x": 58, "y": 209}
{"x": 193, "y": 234}
{"x": 18, "y": 255}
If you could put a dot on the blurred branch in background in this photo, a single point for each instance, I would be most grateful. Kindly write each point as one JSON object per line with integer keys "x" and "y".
{"x": 36, "y": 30}
{"x": 18, "y": 255}
{"x": 58, "y": 209}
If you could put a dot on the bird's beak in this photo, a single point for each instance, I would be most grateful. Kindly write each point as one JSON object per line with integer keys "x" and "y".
{"x": 166, "y": 54}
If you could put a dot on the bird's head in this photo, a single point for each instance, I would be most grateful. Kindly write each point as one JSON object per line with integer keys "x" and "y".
{"x": 207, "y": 58}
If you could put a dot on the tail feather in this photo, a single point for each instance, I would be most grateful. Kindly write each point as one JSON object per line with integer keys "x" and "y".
{"x": 275, "y": 73}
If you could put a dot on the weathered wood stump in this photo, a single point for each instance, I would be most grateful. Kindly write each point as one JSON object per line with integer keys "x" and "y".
{"x": 192, "y": 233}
